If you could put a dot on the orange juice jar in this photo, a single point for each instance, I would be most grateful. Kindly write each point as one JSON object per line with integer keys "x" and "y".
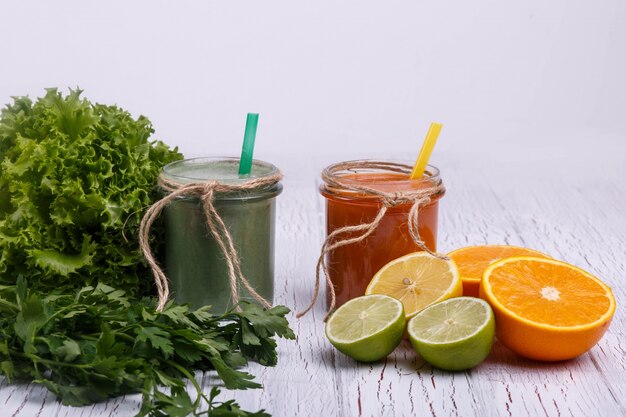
{"x": 352, "y": 266}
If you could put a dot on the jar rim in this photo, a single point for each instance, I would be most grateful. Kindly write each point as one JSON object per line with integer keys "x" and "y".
{"x": 171, "y": 169}
{"x": 262, "y": 193}
{"x": 388, "y": 166}
{"x": 431, "y": 174}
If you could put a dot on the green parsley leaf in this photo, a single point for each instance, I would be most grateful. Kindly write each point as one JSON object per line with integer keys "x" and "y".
{"x": 69, "y": 351}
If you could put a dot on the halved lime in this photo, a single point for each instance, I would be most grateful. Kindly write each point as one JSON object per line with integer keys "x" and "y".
{"x": 455, "y": 334}
{"x": 367, "y": 328}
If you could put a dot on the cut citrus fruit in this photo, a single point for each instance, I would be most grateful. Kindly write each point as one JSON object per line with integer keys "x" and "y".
{"x": 367, "y": 328}
{"x": 547, "y": 309}
{"x": 418, "y": 280}
{"x": 455, "y": 334}
{"x": 473, "y": 260}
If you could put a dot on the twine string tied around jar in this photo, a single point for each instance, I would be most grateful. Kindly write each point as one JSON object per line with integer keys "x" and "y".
{"x": 206, "y": 192}
{"x": 348, "y": 235}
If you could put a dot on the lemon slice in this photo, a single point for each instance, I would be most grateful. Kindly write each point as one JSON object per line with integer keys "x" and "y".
{"x": 417, "y": 280}
{"x": 367, "y": 328}
{"x": 455, "y": 334}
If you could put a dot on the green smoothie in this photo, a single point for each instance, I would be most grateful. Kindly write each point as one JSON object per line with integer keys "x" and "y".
{"x": 194, "y": 262}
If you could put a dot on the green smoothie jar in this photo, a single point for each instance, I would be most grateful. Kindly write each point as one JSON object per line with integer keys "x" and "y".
{"x": 194, "y": 262}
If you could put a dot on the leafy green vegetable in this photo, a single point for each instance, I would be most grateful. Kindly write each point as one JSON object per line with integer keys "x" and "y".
{"x": 75, "y": 311}
{"x": 96, "y": 343}
{"x": 74, "y": 180}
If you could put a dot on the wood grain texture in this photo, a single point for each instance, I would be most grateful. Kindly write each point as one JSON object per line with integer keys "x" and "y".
{"x": 555, "y": 208}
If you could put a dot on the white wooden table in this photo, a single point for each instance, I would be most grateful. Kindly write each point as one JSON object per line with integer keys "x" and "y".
{"x": 547, "y": 202}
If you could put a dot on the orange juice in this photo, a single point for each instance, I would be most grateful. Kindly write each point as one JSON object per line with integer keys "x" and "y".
{"x": 351, "y": 267}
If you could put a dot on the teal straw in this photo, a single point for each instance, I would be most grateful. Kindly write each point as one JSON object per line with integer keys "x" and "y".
{"x": 245, "y": 163}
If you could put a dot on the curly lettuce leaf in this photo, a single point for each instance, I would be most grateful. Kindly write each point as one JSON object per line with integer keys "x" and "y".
{"x": 74, "y": 179}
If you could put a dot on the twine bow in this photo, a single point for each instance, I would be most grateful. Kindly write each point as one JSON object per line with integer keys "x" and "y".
{"x": 340, "y": 237}
{"x": 206, "y": 192}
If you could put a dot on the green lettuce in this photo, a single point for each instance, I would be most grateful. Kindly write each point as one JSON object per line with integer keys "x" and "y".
{"x": 75, "y": 178}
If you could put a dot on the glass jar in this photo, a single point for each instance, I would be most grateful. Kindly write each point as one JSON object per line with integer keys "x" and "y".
{"x": 351, "y": 267}
{"x": 194, "y": 262}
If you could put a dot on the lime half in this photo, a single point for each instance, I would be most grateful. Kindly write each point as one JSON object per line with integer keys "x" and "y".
{"x": 455, "y": 334}
{"x": 367, "y": 328}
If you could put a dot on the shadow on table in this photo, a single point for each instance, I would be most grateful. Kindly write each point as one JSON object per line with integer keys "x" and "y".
{"x": 29, "y": 399}
{"x": 404, "y": 358}
{"x": 501, "y": 356}
{"x": 407, "y": 361}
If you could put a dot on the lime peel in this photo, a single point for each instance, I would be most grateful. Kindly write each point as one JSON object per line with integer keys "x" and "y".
{"x": 431, "y": 329}
{"x": 367, "y": 328}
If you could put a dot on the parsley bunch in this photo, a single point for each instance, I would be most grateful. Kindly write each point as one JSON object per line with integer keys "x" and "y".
{"x": 75, "y": 309}
{"x": 97, "y": 343}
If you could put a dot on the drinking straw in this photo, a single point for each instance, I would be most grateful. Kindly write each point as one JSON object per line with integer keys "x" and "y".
{"x": 427, "y": 149}
{"x": 245, "y": 162}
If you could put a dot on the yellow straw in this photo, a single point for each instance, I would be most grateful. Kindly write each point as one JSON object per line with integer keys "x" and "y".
{"x": 427, "y": 149}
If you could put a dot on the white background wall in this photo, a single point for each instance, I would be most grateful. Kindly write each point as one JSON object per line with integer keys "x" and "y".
{"x": 535, "y": 79}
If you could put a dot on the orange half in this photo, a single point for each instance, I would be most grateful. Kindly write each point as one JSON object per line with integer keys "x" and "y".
{"x": 472, "y": 262}
{"x": 547, "y": 309}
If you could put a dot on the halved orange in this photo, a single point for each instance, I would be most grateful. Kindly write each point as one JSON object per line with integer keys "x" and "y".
{"x": 547, "y": 309}
{"x": 473, "y": 260}
{"x": 417, "y": 280}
